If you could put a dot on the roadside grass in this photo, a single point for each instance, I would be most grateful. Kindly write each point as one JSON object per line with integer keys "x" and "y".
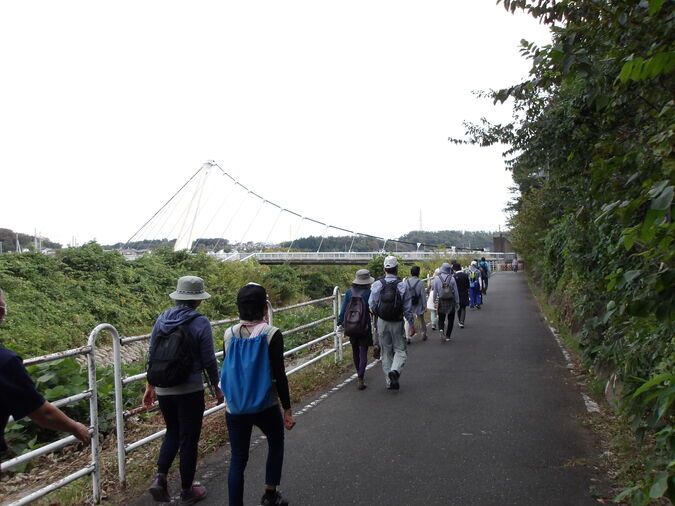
{"x": 141, "y": 463}
{"x": 622, "y": 457}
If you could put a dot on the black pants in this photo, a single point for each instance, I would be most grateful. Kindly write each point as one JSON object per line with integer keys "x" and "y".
{"x": 461, "y": 314}
{"x": 239, "y": 428}
{"x": 183, "y": 417}
{"x": 484, "y": 282}
{"x": 446, "y": 329}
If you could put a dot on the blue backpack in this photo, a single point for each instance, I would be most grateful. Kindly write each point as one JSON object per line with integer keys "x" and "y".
{"x": 246, "y": 376}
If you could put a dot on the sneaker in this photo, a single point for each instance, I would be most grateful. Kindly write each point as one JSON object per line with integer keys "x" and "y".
{"x": 461, "y": 325}
{"x": 393, "y": 380}
{"x": 408, "y": 340}
{"x": 274, "y": 499}
{"x": 433, "y": 327}
{"x": 361, "y": 384}
{"x": 159, "y": 490}
{"x": 424, "y": 337}
{"x": 195, "y": 494}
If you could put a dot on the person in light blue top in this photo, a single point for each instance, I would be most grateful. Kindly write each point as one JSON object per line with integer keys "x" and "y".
{"x": 391, "y": 301}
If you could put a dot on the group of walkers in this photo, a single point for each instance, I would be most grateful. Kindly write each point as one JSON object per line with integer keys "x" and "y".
{"x": 397, "y": 306}
{"x": 383, "y": 313}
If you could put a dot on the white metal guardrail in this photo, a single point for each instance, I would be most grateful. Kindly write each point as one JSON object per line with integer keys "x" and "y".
{"x": 93, "y": 469}
{"x": 123, "y": 448}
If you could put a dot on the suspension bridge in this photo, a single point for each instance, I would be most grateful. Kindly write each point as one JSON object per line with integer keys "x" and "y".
{"x": 212, "y": 203}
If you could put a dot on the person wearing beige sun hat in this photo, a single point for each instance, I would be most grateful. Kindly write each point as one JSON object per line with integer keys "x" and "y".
{"x": 181, "y": 350}
{"x": 354, "y": 320}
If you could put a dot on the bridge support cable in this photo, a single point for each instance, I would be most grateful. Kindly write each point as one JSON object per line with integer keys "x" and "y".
{"x": 297, "y": 232}
{"x": 255, "y": 217}
{"x": 165, "y": 204}
{"x": 269, "y": 234}
{"x": 322, "y": 238}
{"x": 232, "y": 218}
{"x": 184, "y": 239}
{"x": 214, "y": 216}
{"x": 352, "y": 244}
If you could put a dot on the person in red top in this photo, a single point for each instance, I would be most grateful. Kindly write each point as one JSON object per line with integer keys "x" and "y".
{"x": 20, "y": 398}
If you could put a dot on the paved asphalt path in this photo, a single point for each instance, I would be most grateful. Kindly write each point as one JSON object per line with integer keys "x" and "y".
{"x": 491, "y": 418}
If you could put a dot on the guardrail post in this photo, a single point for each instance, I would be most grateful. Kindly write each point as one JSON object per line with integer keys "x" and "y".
{"x": 119, "y": 408}
{"x": 337, "y": 302}
{"x": 270, "y": 313}
{"x": 93, "y": 417}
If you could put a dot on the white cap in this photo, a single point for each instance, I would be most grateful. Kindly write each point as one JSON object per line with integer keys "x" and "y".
{"x": 390, "y": 262}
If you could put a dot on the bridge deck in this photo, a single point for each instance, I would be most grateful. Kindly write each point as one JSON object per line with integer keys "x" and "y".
{"x": 492, "y": 418}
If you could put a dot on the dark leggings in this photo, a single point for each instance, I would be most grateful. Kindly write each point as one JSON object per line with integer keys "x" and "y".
{"x": 451, "y": 322}
{"x": 461, "y": 314}
{"x": 360, "y": 356}
{"x": 183, "y": 418}
{"x": 239, "y": 427}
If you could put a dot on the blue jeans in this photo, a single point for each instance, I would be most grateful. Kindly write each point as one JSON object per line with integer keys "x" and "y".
{"x": 474, "y": 296}
{"x": 271, "y": 423}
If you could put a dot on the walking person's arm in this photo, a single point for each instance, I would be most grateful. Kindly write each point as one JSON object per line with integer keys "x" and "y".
{"x": 208, "y": 357}
{"x": 51, "y": 417}
{"x": 276, "y": 352}
{"x": 18, "y": 392}
{"x": 407, "y": 306}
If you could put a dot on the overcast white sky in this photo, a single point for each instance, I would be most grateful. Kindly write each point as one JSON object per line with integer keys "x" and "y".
{"x": 327, "y": 108}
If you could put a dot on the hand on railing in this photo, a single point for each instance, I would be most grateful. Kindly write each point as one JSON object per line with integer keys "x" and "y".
{"x": 81, "y": 432}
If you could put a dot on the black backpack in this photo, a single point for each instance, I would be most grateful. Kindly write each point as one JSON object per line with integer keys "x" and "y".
{"x": 390, "y": 307}
{"x": 357, "y": 317}
{"x": 447, "y": 293}
{"x": 170, "y": 360}
{"x": 415, "y": 295}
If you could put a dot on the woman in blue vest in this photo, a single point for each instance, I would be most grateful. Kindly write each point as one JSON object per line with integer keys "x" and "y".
{"x": 253, "y": 379}
{"x": 358, "y": 327}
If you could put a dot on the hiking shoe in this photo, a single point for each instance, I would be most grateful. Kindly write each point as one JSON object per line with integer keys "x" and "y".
{"x": 195, "y": 494}
{"x": 393, "y": 380}
{"x": 159, "y": 490}
{"x": 274, "y": 499}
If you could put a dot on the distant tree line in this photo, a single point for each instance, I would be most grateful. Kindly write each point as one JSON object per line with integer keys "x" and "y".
{"x": 8, "y": 241}
{"x": 408, "y": 242}
{"x": 202, "y": 244}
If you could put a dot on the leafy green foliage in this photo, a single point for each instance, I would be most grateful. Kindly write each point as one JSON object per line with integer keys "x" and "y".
{"x": 591, "y": 153}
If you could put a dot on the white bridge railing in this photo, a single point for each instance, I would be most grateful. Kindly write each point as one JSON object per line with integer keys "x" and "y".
{"x": 121, "y": 381}
{"x": 356, "y": 257}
